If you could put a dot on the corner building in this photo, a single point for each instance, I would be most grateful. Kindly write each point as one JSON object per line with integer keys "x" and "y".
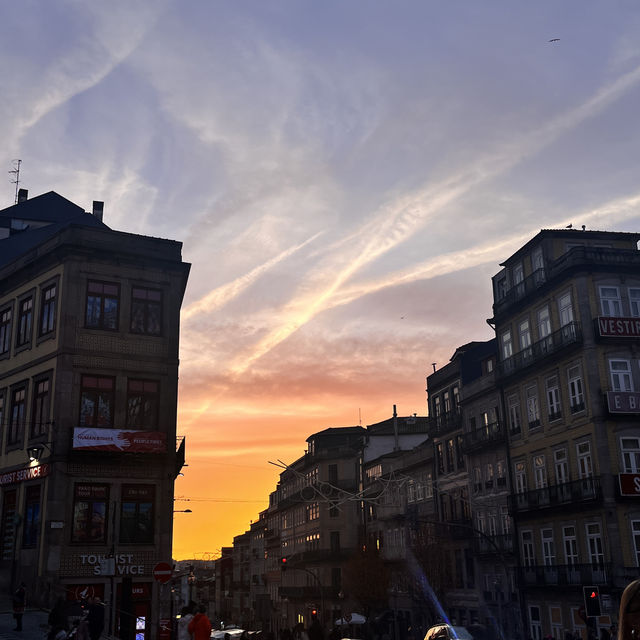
{"x": 89, "y": 325}
{"x": 566, "y": 314}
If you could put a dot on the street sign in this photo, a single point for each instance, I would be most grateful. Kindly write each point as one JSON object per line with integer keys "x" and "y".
{"x": 162, "y": 572}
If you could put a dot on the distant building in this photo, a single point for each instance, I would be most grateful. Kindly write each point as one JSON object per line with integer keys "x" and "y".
{"x": 89, "y": 325}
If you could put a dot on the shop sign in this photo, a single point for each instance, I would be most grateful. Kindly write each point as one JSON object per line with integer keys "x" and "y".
{"x": 629, "y": 484}
{"x": 22, "y": 475}
{"x": 623, "y": 401}
{"x": 79, "y": 592}
{"x": 619, "y": 327}
{"x": 164, "y": 629}
{"x": 124, "y": 564}
{"x": 119, "y": 440}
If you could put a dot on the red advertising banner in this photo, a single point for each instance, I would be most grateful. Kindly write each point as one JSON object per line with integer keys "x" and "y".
{"x": 618, "y": 327}
{"x": 119, "y": 440}
{"x": 21, "y": 475}
{"x": 629, "y": 484}
{"x": 623, "y": 401}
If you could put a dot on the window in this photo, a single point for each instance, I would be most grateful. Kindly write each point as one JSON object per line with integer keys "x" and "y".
{"x": 334, "y": 541}
{"x": 520, "y": 477}
{"x": 565, "y": 309}
{"x": 31, "y": 523}
{"x": 635, "y": 534}
{"x": 610, "y": 301}
{"x": 333, "y": 473}
{"x": 634, "y": 302}
{"x": 411, "y": 491}
{"x": 428, "y": 486}
{"x": 548, "y": 548}
{"x": 488, "y": 475}
{"x": 537, "y": 266}
{"x": 25, "y": 321}
{"x": 514, "y": 414}
{"x": 630, "y": 448}
{"x": 524, "y": 336}
{"x": 561, "y": 466}
{"x": 576, "y": 393}
{"x": 620, "y": 375}
{"x": 594, "y": 543}
{"x": 146, "y": 311}
{"x": 585, "y": 468}
{"x": 8, "y": 525}
{"x": 48, "y": 310}
{"x": 528, "y": 552}
{"x": 535, "y": 620}
{"x": 518, "y": 278}
{"x": 446, "y": 402}
{"x": 506, "y": 520}
{"x": 5, "y": 331}
{"x": 507, "y": 346}
{"x": 142, "y": 404}
{"x": 459, "y": 453}
{"x": 533, "y": 410}
{"x": 570, "y": 542}
{"x": 450, "y": 455}
{"x": 97, "y": 401}
{"x": 40, "y": 413}
{"x": 312, "y": 511}
{"x": 544, "y": 323}
{"x": 477, "y": 479}
{"x": 540, "y": 471}
{"x": 553, "y": 398}
{"x": 501, "y": 475}
{"x": 492, "y": 519}
{"x": 103, "y": 302}
{"x": 90, "y": 513}
{"x": 136, "y": 514}
{"x": 440, "y": 457}
{"x": 17, "y": 418}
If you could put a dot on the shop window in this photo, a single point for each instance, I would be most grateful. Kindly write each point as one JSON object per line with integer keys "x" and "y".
{"x": 97, "y": 399}
{"x": 142, "y": 404}
{"x": 90, "y": 513}
{"x": 40, "y": 413}
{"x": 8, "y": 524}
{"x": 136, "y": 515}
{"x": 31, "y": 522}
{"x": 48, "y": 310}
{"x": 103, "y": 303}
{"x": 146, "y": 311}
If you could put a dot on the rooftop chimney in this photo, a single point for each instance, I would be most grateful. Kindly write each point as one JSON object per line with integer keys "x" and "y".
{"x": 23, "y": 194}
{"x": 98, "y": 208}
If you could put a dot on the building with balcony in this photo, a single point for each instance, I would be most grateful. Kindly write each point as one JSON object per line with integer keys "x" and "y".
{"x": 566, "y": 313}
{"x": 89, "y": 326}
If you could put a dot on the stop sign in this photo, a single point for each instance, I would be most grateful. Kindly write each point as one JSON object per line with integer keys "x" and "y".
{"x": 162, "y": 572}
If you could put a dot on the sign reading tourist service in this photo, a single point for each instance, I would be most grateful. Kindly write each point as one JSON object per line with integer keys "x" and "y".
{"x": 20, "y": 475}
{"x": 119, "y": 440}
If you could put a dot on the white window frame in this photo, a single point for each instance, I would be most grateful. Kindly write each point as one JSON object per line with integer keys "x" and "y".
{"x": 548, "y": 547}
{"x": 515, "y": 422}
{"x": 610, "y": 302}
{"x": 505, "y": 519}
{"x": 630, "y": 454}
{"x": 533, "y": 408}
{"x": 528, "y": 548}
{"x": 584, "y": 460}
{"x": 535, "y": 622}
{"x": 576, "y": 388}
{"x": 524, "y": 334}
{"x": 540, "y": 471}
{"x": 519, "y": 477}
{"x": 595, "y": 545}
{"x": 544, "y": 322}
{"x": 565, "y": 309}
{"x": 506, "y": 344}
{"x": 634, "y": 301}
{"x": 635, "y": 537}
{"x": 518, "y": 279}
{"x": 554, "y": 404}
{"x": 561, "y": 465}
{"x": 620, "y": 370}
{"x": 570, "y": 545}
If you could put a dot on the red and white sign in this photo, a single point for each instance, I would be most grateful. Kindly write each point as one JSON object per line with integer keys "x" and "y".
{"x": 119, "y": 440}
{"x": 629, "y": 484}
{"x": 21, "y": 475}
{"x": 619, "y": 327}
{"x": 162, "y": 572}
{"x": 623, "y": 401}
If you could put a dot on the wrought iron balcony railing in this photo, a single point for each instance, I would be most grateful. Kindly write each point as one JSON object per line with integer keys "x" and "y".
{"x": 486, "y": 435}
{"x": 493, "y": 545}
{"x": 599, "y": 573}
{"x": 444, "y": 423}
{"x": 570, "y": 334}
{"x": 577, "y": 493}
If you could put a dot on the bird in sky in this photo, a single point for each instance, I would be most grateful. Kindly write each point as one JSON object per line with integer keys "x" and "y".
{"x": 554, "y": 40}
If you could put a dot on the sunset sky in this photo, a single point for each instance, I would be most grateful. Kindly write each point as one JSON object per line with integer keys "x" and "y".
{"x": 346, "y": 176}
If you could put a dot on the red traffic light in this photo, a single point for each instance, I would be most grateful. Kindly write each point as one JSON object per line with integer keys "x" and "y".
{"x": 283, "y": 563}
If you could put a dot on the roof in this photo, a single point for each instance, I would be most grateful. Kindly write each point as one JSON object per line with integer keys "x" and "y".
{"x": 48, "y": 207}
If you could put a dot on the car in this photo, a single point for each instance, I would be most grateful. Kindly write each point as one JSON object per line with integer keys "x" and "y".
{"x": 447, "y": 632}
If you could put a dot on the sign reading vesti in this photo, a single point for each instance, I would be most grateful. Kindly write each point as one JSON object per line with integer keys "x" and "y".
{"x": 619, "y": 327}
{"x": 119, "y": 440}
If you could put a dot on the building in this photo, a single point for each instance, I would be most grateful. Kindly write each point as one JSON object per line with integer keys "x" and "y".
{"x": 89, "y": 325}
{"x": 566, "y": 313}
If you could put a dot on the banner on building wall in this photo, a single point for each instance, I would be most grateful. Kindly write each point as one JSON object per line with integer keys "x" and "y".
{"x": 119, "y": 440}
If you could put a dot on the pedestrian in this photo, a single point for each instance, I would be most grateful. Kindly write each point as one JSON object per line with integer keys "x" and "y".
{"x": 19, "y": 604}
{"x": 58, "y": 619}
{"x": 629, "y": 614}
{"x": 186, "y": 616}
{"x": 315, "y": 631}
{"x": 200, "y": 626}
{"x": 95, "y": 618}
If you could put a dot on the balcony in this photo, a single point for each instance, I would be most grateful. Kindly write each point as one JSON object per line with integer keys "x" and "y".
{"x": 520, "y": 290}
{"x": 497, "y": 545}
{"x": 561, "y": 575}
{"x": 444, "y": 423}
{"x": 555, "y": 342}
{"x": 570, "y": 493}
{"x": 487, "y": 435}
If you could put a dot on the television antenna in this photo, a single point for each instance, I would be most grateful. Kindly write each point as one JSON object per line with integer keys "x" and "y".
{"x": 16, "y": 173}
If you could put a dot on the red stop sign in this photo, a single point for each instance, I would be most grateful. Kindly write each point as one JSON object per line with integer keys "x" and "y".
{"x": 162, "y": 572}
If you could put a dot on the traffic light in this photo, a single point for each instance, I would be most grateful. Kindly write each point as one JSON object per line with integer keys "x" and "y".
{"x": 314, "y": 613}
{"x": 283, "y": 563}
{"x": 592, "y": 601}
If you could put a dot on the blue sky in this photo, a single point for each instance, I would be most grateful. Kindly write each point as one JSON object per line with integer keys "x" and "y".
{"x": 345, "y": 177}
